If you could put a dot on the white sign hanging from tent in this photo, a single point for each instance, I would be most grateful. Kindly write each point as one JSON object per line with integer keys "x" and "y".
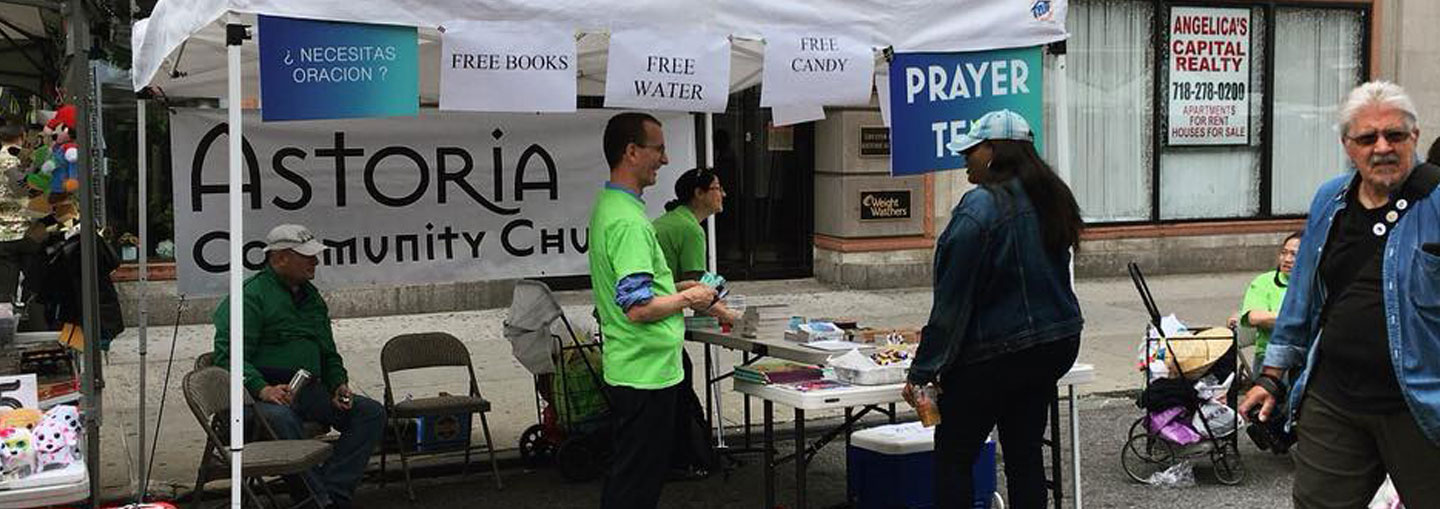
{"x": 674, "y": 71}
{"x": 507, "y": 66}
{"x": 435, "y": 199}
{"x": 816, "y": 68}
{"x": 1209, "y": 76}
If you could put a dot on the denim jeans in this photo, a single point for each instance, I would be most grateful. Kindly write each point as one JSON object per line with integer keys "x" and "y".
{"x": 360, "y": 430}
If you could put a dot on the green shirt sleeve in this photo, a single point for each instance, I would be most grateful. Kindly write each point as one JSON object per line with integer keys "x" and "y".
{"x": 253, "y": 310}
{"x": 1257, "y": 297}
{"x": 692, "y": 251}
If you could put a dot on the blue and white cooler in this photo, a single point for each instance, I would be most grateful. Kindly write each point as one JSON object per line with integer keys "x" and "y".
{"x": 892, "y": 467}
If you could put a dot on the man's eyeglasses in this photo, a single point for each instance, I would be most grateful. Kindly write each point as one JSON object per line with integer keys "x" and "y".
{"x": 1392, "y": 137}
{"x": 715, "y": 188}
{"x": 660, "y": 147}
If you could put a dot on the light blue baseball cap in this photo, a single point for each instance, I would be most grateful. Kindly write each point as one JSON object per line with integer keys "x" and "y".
{"x": 996, "y": 125}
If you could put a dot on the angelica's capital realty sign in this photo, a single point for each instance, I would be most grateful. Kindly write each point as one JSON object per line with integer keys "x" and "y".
{"x": 325, "y": 69}
{"x": 935, "y": 96}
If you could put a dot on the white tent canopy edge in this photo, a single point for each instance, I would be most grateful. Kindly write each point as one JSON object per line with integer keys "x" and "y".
{"x": 189, "y": 37}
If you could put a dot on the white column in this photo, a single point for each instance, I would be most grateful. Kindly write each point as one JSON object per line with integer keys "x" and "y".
{"x": 235, "y": 35}
{"x": 144, "y": 320}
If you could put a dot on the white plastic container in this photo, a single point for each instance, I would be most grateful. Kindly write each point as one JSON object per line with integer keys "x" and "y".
{"x": 884, "y": 375}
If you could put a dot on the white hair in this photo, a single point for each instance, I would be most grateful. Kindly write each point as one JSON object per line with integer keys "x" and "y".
{"x": 1377, "y": 93}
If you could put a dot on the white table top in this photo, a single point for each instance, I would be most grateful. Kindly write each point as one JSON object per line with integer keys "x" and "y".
{"x": 862, "y": 395}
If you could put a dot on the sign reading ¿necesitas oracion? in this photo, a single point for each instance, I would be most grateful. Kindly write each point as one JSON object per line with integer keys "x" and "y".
{"x": 327, "y": 69}
{"x": 668, "y": 71}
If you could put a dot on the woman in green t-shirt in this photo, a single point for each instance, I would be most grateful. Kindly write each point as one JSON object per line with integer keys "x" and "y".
{"x": 698, "y": 196}
{"x": 1262, "y": 300}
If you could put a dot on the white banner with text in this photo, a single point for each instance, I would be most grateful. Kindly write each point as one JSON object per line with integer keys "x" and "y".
{"x": 816, "y": 69}
{"x": 440, "y": 198}
{"x": 668, "y": 71}
{"x": 507, "y": 66}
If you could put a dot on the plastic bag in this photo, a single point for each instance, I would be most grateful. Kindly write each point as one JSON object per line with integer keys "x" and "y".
{"x": 1386, "y": 497}
{"x": 1179, "y": 475}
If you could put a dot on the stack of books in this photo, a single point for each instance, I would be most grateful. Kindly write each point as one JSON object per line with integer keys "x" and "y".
{"x": 778, "y": 372}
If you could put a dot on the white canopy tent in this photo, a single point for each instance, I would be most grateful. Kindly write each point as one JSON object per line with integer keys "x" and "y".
{"x": 187, "y": 49}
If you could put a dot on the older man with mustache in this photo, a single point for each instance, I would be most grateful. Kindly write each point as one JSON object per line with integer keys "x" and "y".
{"x": 1362, "y": 316}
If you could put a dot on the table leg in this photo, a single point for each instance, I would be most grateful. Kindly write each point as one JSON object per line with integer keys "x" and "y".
{"x": 709, "y": 376}
{"x": 892, "y": 413}
{"x": 746, "y": 360}
{"x": 800, "y": 461}
{"x": 1075, "y": 450}
{"x": 769, "y": 426}
{"x": 849, "y": 418}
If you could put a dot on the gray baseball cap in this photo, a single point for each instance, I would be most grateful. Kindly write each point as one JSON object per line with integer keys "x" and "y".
{"x": 294, "y": 237}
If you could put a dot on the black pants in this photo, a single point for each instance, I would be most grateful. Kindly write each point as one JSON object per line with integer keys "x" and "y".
{"x": 1012, "y": 392}
{"x": 644, "y": 426}
{"x": 16, "y": 256}
{"x": 1342, "y": 457}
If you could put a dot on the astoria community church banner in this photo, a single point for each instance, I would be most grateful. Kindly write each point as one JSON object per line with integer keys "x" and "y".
{"x": 1209, "y": 76}
{"x": 436, "y": 198}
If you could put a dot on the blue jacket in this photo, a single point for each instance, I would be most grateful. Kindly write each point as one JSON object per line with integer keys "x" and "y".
{"x": 996, "y": 289}
{"x": 1411, "y": 280}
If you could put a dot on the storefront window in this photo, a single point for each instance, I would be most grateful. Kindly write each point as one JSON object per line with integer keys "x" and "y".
{"x": 1111, "y": 82}
{"x": 1119, "y": 126}
{"x": 1199, "y": 182}
{"x": 1318, "y": 53}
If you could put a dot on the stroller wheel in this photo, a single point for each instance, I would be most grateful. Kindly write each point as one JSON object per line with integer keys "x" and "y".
{"x": 1145, "y": 455}
{"x": 1229, "y": 468}
{"x": 535, "y": 447}
{"x": 576, "y": 460}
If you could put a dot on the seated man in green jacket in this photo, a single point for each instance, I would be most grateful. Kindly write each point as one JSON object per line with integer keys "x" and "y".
{"x": 287, "y": 328}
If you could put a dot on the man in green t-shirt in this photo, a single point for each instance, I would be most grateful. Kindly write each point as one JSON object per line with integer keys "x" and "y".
{"x": 640, "y": 314}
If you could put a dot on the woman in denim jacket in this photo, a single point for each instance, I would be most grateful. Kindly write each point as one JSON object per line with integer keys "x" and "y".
{"x": 1005, "y": 325}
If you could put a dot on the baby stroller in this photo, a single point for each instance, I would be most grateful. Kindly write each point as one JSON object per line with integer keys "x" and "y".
{"x": 1190, "y": 399}
{"x": 571, "y": 407}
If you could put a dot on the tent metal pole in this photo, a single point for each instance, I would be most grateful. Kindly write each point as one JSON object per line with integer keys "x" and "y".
{"x": 710, "y": 256}
{"x": 80, "y": 84}
{"x": 142, "y": 176}
{"x": 235, "y": 35}
{"x": 1062, "y": 118}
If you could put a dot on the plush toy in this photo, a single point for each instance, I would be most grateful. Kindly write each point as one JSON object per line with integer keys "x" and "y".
{"x": 64, "y": 175}
{"x": 26, "y": 418}
{"x": 17, "y": 452}
{"x": 57, "y": 438}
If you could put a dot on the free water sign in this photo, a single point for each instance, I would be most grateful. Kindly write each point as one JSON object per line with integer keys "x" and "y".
{"x": 325, "y": 69}
{"x": 935, "y": 96}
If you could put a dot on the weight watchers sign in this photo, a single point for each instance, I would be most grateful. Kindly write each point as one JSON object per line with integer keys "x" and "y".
{"x": 1209, "y": 76}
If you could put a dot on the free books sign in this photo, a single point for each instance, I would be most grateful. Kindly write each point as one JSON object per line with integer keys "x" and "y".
{"x": 1208, "y": 92}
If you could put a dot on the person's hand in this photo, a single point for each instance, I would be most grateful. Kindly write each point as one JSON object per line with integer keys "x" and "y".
{"x": 343, "y": 398}
{"x": 1233, "y": 321}
{"x": 911, "y": 394}
{"x": 699, "y": 297}
{"x": 1260, "y": 397}
{"x": 277, "y": 394}
{"x": 681, "y": 286}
